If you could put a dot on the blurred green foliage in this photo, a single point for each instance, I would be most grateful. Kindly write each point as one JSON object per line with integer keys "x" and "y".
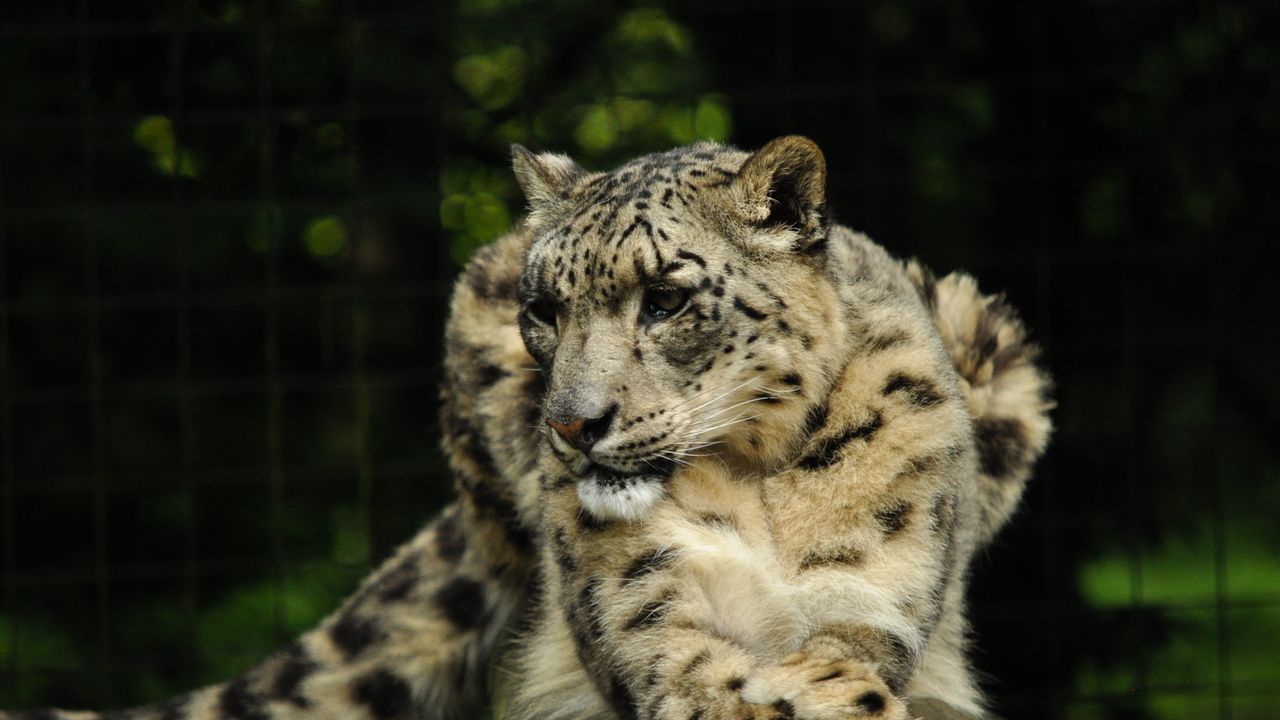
{"x": 639, "y": 87}
{"x": 155, "y": 134}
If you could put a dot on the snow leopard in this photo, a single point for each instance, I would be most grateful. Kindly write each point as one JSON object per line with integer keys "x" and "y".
{"x": 716, "y": 456}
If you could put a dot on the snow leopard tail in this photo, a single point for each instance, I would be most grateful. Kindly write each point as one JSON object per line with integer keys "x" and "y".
{"x": 416, "y": 639}
{"x": 413, "y": 641}
{"x": 1007, "y": 392}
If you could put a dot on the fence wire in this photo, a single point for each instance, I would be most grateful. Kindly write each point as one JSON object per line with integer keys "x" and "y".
{"x": 228, "y": 231}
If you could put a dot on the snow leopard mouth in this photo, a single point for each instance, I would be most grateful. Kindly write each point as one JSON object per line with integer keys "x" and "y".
{"x": 655, "y": 469}
{"x": 610, "y": 494}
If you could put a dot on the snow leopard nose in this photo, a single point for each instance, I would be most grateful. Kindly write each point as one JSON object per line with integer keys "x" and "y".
{"x": 583, "y": 433}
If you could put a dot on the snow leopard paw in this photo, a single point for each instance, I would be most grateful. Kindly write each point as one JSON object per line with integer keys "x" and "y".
{"x": 812, "y": 688}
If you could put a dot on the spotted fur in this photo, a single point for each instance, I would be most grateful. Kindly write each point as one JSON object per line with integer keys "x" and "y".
{"x": 776, "y": 519}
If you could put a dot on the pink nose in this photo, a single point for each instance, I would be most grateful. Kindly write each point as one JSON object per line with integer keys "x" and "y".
{"x": 571, "y": 432}
{"x": 582, "y": 433}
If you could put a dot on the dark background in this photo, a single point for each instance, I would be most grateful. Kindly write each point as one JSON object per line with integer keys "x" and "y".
{"x": 228, "y": 229}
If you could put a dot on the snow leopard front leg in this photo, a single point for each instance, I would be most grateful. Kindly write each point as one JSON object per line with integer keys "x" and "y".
{"x": 647, "y": 610}
{"x": 875, "y": 525}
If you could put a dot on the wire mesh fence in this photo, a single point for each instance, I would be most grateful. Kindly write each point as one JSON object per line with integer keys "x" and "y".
{"x": 228, "y": 231}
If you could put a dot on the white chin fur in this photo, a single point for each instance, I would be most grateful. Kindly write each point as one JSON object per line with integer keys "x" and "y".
{"x": 633, "y": 500}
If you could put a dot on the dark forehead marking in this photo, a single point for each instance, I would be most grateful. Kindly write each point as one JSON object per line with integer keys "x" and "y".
{"x": 635, "y": 180}
{"x": 615, "y": 207}
{"x": 637, "y": 223}
{"x": 642, "y": 273}
{"x": 657, "y": 253}
{"x": 692, "y": 257}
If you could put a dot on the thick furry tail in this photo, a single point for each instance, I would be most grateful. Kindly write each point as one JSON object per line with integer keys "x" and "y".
{"x": 416, "y": 639}
{"x": 1007, "y": 392}
{"x": 413, "y": 642}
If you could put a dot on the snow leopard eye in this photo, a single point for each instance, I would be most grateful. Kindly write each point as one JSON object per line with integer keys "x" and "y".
{"x": 543, "y": 311}
{"x": 663, "y": 302}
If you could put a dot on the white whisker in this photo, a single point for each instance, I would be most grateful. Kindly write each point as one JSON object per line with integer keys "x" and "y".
{"x": 727, "y": 409}
{"x": 667, "y": 456}
{"x": 729, "y": 423}
{"x": 701, "y": 393}
{"x": 686, "y": 454}
{"x": 716, "y": 398}
{"x": 681, "y": 451}
{"x": 721, "y": 396}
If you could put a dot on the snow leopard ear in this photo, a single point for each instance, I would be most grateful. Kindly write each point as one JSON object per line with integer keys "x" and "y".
{"x": 784, "y": 186}
{"x": 546, "y": 179}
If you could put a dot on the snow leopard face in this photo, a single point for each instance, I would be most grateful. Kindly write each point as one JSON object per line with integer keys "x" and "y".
{"x": 676, "y": 307}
